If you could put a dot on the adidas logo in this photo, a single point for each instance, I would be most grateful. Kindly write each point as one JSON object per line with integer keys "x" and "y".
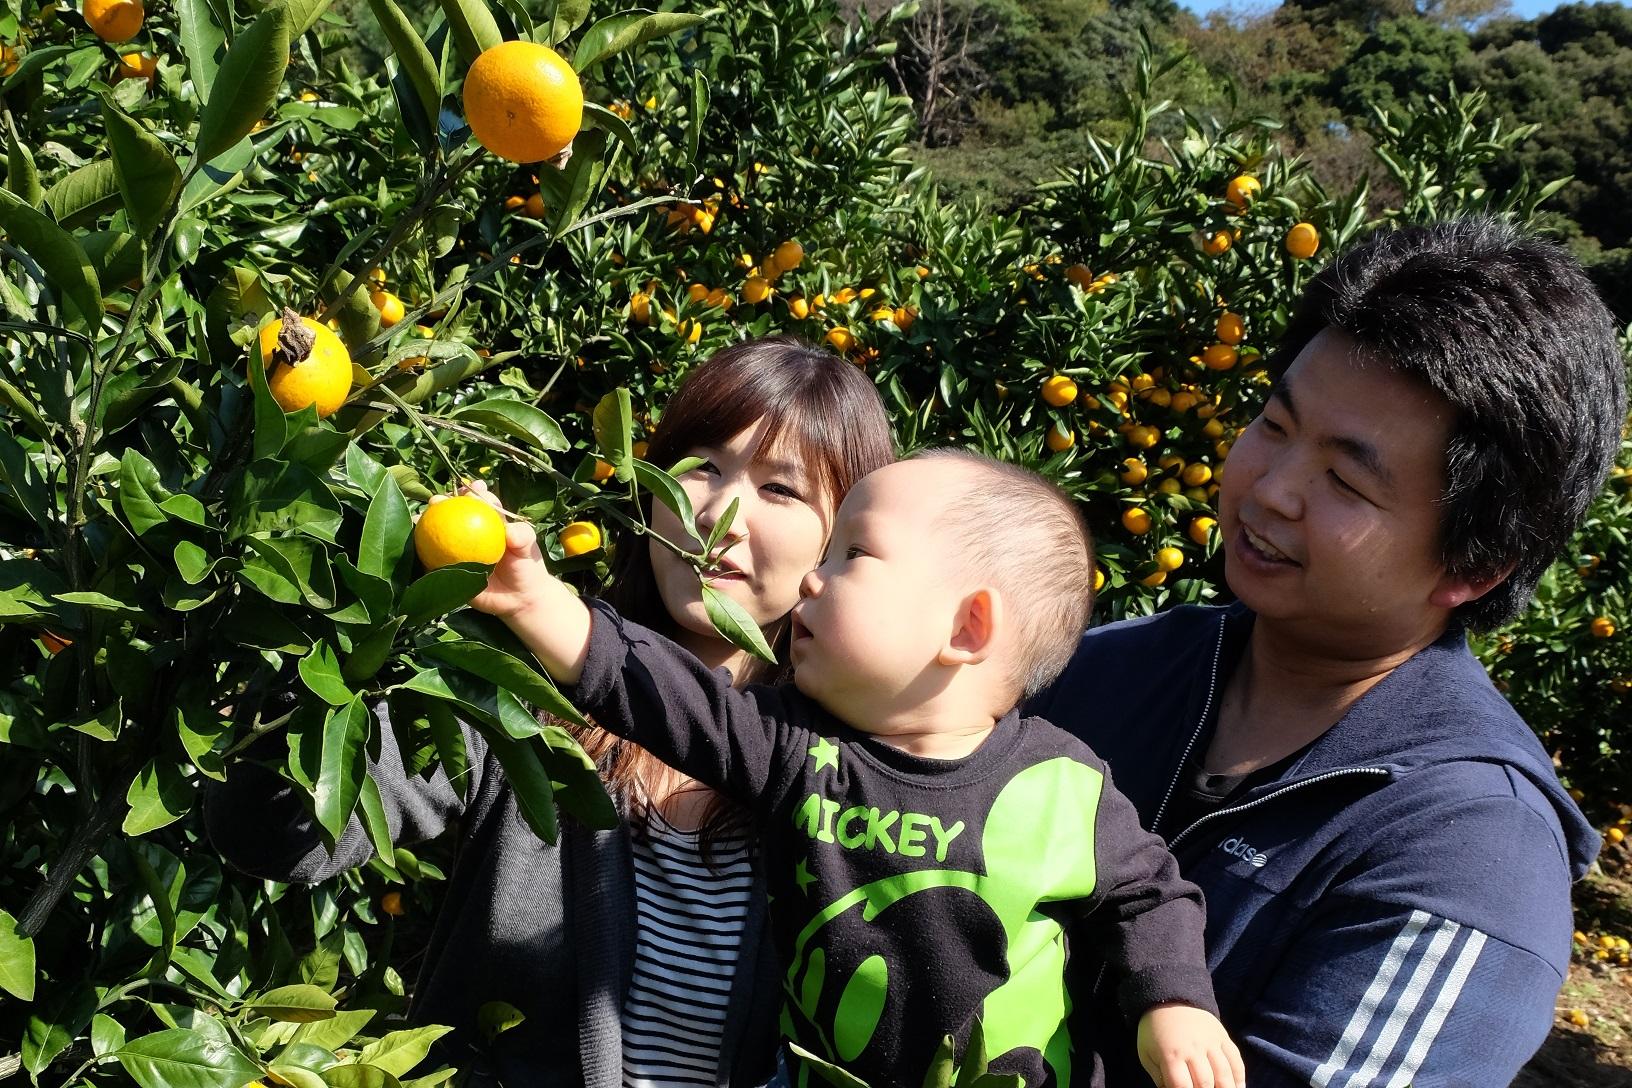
{"x": 1239, "y": 848}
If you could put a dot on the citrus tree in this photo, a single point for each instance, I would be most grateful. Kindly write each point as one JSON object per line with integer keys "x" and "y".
{"x": 263, "y": 300}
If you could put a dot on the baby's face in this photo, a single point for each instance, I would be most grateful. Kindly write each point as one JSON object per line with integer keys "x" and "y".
{"x": 876, "y": 613}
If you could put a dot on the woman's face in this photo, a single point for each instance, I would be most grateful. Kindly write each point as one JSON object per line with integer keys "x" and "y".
{"x": 778, "y": 534}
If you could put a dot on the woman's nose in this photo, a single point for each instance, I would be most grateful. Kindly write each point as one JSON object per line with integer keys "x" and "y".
{"x": 713, "y": 508}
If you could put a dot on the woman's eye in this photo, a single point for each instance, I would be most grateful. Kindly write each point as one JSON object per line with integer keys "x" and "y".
{"x": 782, "y": 489}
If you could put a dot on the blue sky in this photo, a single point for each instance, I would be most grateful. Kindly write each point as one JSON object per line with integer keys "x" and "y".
{"x": 1525, "y": 8}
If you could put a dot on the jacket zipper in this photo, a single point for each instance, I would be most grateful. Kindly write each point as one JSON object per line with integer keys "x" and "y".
{"x": 1173, "y": 843}
{"x": 1206, "y": 708}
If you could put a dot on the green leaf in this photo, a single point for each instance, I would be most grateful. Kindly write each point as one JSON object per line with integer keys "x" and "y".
{"x": 584, "y": 177}
{"x": 163, "y": 907}
{"x": 201, "y": 39}
{"x": 613, "y": 422}
{"x": 138, "y": 483}
{"x": 569, "y": 16}
{"x": 358, "y": 1076}
{"x": 320, "y": 671}
{"x": 697, "y": 114}
{"x": 180, "y": 1058}
{"x": 734, "y": 624}
{"x": 107, "y": 1035}
{"x": 598, "y": 116}
{"x": 271, "y": 424}
{"x": 473, "y": 26}
{"x": 84, "y": 193}
{"x": 56, "y": 1025}
{"x": 148, "y": 177}
{"x": 509, "y": 673}
{"x": 387, "y": 528}
{"x": 826, "y": 1070}
{"x": 669, "y": 493}
{"x": 441, "y": 591}
{"x": 495, "y": 1018}
{"x": 67, "y": 269}
{"x": 411, "y": 54}
{"x": 16, "y": 960}
{"x": 372, "y": 809}
{"x": 296, "y": 1075}
{"x": 221, "y": 174}
{"x": 22, "y": 176}
{"x": 19, "y": 476}
{"x": 400, "y": 1051}
{"x": 300, "y": 1003}
{"x": 617, "y": 33}
{"x": 579, "y": 788}
{"x": 516, "y": 419}
{"x": 370, "y": 652}
{"x": 304, "y": 14}
{"x": 481, "y": 700}
{"x": 335, "y": 1032}
{"x": 296, "y": 561}
{"x": 246, "y": 85}
{"x": 529, "y": 781}
{"x": 340, "y": 779}
{"x": 116, "y": 255}
{"x": 159, "y": 796}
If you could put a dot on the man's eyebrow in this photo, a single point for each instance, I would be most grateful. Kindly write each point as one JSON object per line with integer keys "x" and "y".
{"x": 1361, "y": 452}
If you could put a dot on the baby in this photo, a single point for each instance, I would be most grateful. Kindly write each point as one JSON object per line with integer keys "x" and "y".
{"x": 925, "y": 847}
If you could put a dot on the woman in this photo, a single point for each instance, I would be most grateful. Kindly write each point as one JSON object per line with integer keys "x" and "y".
{"x": 634, "y": 954}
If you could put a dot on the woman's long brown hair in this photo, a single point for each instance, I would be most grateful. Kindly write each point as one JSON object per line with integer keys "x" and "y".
{"x": 822, "y": 409}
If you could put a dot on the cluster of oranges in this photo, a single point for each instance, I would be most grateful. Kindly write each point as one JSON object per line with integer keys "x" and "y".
{"x": 1302, "y": 239}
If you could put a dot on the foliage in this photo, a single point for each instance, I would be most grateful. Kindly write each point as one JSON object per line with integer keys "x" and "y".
{"x": 190, "y": 577}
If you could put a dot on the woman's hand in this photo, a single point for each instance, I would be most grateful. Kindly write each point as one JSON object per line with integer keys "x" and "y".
{"x": 519, "y": 580}
{"x": 1181, "y": 1046}
{"x": 534, "y": 603}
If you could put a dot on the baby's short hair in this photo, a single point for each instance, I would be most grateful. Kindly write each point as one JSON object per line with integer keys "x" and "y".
{"x": 1025, "y": 534}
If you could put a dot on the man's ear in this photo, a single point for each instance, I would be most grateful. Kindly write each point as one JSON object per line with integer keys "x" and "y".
{"x": 1454, "y": 590}
{"x": 974, "y": 628}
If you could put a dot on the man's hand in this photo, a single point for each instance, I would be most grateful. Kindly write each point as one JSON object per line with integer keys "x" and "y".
{"x": 534, "y": 603}
{"x": 1183, "y": 1047}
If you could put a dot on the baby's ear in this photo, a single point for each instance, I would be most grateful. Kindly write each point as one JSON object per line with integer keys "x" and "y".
{"x": 974, "y": 628}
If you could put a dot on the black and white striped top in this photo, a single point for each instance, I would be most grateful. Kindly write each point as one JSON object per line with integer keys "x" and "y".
{"x": 690, "y": 919}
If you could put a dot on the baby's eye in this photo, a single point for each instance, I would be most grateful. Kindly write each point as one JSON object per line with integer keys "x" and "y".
{"x": 854, "y": 551}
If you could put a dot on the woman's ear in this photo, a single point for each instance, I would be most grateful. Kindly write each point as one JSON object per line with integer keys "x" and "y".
{"x": 974, "y": 628}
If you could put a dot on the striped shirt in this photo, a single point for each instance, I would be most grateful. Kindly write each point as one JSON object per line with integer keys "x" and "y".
{"x": 689, "y": 928}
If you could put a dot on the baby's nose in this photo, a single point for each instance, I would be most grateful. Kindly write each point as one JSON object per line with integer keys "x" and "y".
{"x": 811, "y": 584}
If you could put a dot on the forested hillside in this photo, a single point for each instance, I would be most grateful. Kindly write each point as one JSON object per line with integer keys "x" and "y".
{"x": 1005, "y": 88}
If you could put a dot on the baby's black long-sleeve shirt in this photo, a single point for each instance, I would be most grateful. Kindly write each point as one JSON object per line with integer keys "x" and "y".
{"x": 911, "y": 896}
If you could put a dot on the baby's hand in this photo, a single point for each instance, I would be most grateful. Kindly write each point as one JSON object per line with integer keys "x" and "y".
{"x": 518, "y": 581}
{"x": 1181, "y": 1046}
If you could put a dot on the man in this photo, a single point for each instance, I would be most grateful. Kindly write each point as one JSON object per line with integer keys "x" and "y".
{"x": 1385, "y": 849}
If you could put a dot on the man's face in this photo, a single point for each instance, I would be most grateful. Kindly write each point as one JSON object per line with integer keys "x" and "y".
{"x": 1330, "y": 504}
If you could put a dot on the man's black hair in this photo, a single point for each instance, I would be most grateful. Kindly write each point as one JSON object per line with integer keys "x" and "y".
{"x": 1507, "y": 327}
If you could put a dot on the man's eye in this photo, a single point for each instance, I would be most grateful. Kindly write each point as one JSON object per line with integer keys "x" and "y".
{"x": 1342, "y": 484}
{"x": 1273, "y": 427}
